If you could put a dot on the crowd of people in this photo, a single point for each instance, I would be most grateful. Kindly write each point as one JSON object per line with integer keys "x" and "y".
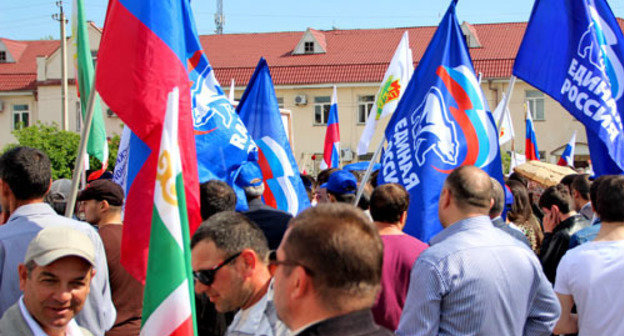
{"x": 510, "y": 260}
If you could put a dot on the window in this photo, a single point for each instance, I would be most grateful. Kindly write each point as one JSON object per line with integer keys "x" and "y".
{"x": 280, "y": 102}
{"x": 535, "y": 102}
{"x": 21, "y": 116}
{"x": 321, "y": 110}
{"x": 308, "y": 47}
{"x": 365, "y": 105}
{"x": 3, "y": 57}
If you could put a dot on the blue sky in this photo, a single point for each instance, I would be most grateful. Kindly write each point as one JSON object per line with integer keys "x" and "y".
{"x": 31, "y": 19}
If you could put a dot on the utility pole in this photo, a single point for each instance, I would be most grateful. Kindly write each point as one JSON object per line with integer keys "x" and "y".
{"x": 64, "y": 103}
{"x": 219, "y": 18}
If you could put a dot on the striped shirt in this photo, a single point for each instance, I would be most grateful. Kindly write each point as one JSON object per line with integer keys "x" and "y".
{"x": 477, "y": 280}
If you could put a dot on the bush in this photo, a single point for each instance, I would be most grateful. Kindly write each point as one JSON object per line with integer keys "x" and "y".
{"x": 60, "y": 146}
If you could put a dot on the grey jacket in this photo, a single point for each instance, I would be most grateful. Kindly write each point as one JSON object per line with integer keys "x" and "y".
{"x": 13, "y": 324}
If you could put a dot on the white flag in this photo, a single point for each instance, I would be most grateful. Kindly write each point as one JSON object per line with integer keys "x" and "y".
{"x": 503, "y": 122}
{"x": 231, "y": 95}
{"x": 393, "y": 84}
{"x": 516, "y": 160}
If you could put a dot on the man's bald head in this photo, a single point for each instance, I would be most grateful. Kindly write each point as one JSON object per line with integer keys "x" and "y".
{"x": 471, "y": 189}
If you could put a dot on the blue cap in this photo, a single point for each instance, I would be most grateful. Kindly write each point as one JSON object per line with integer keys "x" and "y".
{"x": 341, "y": 182}
{"x": 249, "y": 175}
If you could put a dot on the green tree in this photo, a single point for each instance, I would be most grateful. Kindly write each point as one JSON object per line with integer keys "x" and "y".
{"x": 506, "y": 159}
{"x": 60, "y": 146}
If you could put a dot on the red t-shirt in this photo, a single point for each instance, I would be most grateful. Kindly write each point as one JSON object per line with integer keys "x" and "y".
{"x": 400, "y": 253}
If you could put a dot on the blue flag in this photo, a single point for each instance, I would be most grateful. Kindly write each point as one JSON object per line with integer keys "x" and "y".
{"x": 442, "y": 122}
{"x": 259, "y": 111}
{"x": 222, "y": 141}
{"x": 573, "y": 50}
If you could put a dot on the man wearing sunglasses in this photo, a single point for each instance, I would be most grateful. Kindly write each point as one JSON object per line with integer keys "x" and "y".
{"x": 328, "y": 273}
{"x": 230, "y": 266}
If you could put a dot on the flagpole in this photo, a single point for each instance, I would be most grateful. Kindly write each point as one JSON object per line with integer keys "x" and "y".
{"x": 82, "y": 151}
{"x": 512, "y": 83}
{"x": 369, "y": 171}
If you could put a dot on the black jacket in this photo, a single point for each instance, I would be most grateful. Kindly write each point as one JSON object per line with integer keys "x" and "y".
{"x": 271, "y": 221}
{"x": 357, "y": 323}
{"x": 556, "y": 244}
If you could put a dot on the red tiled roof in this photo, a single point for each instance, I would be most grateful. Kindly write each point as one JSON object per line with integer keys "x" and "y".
{"x": 22, "y": 74}
{"x": 15, "y": 48}
{"x": 320, "y": 37}
{"x": 359, "y": 55}
{"x": 17, "y": 82}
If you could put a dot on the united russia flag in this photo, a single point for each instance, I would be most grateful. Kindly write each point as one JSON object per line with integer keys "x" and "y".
{"x": 259, "y": 111}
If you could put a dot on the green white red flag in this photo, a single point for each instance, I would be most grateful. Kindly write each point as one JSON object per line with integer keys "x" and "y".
{"x": 168, "y": 304}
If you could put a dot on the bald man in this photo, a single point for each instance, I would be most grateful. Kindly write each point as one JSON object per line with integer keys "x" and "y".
{"x": 476, "y": 279}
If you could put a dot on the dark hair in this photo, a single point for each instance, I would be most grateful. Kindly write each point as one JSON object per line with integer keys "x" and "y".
{"x": 610, "y": 198}
{"x": 517, "y": 177}
{"x": 568, "y": 179}
{"x": 520, "y": 211}
{"x": 308, "y": 183}
{"x": 556, "y": 195}
{"x": 389, "y": 202}
{"x": 498, "y": 197}
{"x": 343, "y": 198}
{"x": 374, "y": 178}
{"x": 343, "y": 250}
{"x": 470, "y": 187}
{"x": 581, "y": 184}
{"x": 593, "y": 189}
{"x": 323, "y": 176}
{"x": 27, "y": 172}
{"x": 216, "y": 196}
{"x": 231, "y": 232}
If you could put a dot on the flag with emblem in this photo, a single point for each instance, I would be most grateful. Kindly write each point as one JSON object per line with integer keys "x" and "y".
{"x": 97, "y": 145}
{"x": 331, "y": 150}
{"x": 442, "y": 122}
{"x": 392, "y": 87}
{"x": 168, "y": 301}
{"x": 259, "y": 111}
{"x": 505, "y": 126}
{"x": 573, "y": 50}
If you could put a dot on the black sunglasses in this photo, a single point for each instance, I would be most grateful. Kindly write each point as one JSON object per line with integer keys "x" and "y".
{"x": 206, "y": 277}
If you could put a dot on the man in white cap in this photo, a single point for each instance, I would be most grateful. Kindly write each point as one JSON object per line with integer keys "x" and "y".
{"x": 55, "y": 278}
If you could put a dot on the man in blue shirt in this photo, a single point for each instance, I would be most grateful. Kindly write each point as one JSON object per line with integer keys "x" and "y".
{"x": 25, "y": 177}
{"x": 476, "y": 279}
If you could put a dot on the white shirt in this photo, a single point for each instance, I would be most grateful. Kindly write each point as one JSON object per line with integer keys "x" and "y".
{"x": 258, "y": 320}
{"x": 593, "y": 273}
{"x": 72, "y": 327}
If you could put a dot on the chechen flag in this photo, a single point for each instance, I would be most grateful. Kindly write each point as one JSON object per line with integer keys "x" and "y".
{"x": 331, "y": 152}
{"x": 567, "y": 157}
{"x": 167, "y": 306}
{"x": 530, "y": 148}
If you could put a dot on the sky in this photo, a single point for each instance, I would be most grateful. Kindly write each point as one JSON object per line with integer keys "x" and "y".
{"x": 32, "y": 19}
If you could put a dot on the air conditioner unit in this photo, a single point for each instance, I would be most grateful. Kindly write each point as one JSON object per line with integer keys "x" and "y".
{"x": 301, "y": 100}
{"x": 110, "y": 113}
{"x": 346, "y": 154}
